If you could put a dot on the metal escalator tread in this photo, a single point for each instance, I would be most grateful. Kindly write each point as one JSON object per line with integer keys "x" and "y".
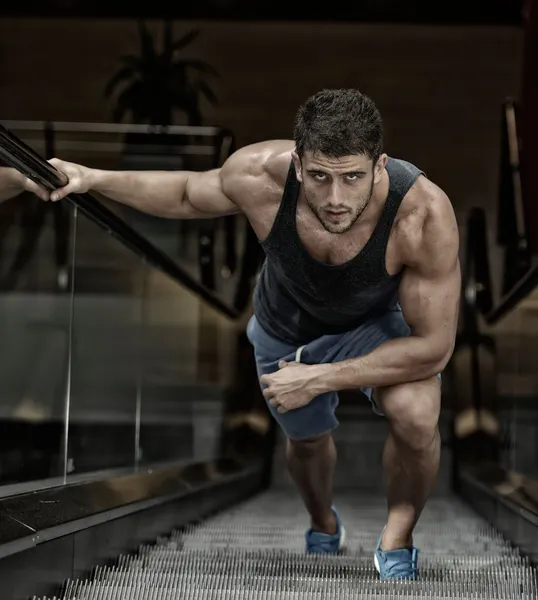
{"x": 256, "y": 551}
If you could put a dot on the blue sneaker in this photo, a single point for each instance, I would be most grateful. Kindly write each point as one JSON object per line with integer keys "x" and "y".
{"x": 398, "y": 564}
{"x": 324, "y": 543}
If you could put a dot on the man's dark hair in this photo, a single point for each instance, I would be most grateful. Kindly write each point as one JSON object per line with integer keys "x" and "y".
{"x": 339, "y": 123}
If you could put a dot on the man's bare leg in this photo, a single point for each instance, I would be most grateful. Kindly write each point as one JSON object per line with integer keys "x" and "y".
{"x": 411, "y": 456}
{"x": 311, "y": 464}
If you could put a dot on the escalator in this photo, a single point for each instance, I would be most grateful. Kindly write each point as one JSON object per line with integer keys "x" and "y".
{"x": 223, "y": 520}
{"x": 255, "y": 551}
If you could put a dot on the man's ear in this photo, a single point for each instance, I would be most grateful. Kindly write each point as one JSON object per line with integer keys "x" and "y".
{"x": 380, "y": 167}
{"x": 298, "y": 166}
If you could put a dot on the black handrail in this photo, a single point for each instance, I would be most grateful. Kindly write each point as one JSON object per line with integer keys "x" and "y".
{"x": 518, "y": 293}
{"x": 15, "y": 153}
{"x": 477, "y": 290}
{"x": 520, "y": 278}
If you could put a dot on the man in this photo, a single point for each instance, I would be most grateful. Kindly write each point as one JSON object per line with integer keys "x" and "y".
{"x": 360, "y": 289}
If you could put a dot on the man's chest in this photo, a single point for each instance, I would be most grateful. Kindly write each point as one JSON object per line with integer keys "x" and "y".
{"x": 325, "y": 247}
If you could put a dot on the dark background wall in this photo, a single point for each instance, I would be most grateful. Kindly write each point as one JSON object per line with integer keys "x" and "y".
{"x": 439, "y": 88}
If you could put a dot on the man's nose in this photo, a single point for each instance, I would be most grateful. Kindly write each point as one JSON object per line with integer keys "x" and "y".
{"x": 335, "y": 196}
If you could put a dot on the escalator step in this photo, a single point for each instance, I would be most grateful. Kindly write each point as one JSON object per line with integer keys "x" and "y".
{"x": 255, "y": 551}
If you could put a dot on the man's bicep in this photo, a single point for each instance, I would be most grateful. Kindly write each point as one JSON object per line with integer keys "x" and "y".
{"x": 430, "y": 288}
{"x": 430, "y": 304}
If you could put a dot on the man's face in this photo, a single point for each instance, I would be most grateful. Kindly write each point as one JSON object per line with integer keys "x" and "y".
{"x": 337, "y": 190}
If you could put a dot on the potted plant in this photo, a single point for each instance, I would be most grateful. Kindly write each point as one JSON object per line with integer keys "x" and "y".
{"x": 153, "y": 84}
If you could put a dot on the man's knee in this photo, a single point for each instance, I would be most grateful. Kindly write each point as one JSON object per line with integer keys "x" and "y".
{"x": 413, "y": 410}
{"x": 309, "y": 447}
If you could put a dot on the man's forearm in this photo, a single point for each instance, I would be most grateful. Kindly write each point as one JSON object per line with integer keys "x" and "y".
{"x": 159, "y": 193}
{"x": 397, "y": 361}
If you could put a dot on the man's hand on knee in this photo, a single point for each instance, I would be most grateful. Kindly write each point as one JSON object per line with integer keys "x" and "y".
{"x": 294, "y": 385}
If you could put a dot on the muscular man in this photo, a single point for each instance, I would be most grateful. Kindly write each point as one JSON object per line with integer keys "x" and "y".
{"x": 359, "y": 290}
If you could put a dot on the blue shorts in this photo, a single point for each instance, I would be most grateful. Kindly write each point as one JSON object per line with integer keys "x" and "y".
{"x": 318, "y": 416}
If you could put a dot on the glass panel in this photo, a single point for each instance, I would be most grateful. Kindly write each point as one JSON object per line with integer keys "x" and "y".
{"x": 141, "y": 368}
{"x": 516, "y": 339}
{"x": 107, "y": 320}
{"x": 189, "y": 368}
{"x": 35, "y": 301}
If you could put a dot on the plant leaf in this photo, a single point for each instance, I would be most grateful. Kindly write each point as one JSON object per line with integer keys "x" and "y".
{"x": 167, "y": 38}
{"x": 185, "y": 40}
{"x": 207, "y": 92}
{"x": 197, "y": 65}
{"x": 147, "y": 47}
{"x": 122, "y": 75}
{"x": 132, "y": 98}
{"x": 136, "y": 62}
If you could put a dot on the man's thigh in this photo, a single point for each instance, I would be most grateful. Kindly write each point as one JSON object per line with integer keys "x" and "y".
{"x": 318, "y": 416}
{"x": 311, "y": 420}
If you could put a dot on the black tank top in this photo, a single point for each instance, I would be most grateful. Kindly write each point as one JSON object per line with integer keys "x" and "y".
{"x": 298, "y": 298}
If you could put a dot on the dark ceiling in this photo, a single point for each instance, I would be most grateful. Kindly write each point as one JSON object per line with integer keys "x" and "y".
{"x": 476, "y": 12}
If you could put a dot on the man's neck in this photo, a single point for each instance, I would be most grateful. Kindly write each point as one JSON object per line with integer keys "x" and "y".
{"x": 375, "y": 206}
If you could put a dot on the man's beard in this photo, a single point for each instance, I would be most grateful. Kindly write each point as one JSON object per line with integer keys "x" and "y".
{"x": 362, "y": 203}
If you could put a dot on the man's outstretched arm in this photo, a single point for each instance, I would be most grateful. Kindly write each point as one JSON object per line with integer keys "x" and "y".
{"x": 429, "y": 296}
{"x": 168, "y": 194}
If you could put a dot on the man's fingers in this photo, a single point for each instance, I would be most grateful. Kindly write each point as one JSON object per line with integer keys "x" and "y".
{"x": 69, "y": 185}
{"x": 62, "y": 192}
{"x": 61, "y": 167}
{"x": 283, "y": 363}
{"x": 56, "y": 162}
{"x": 34, "y": 188}
{"x": 274, "y": 401}
{"x": 271, "y": 399}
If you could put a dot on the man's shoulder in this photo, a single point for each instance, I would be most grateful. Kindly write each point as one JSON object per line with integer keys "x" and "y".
{"x": 257, "y": 168}
{"x": 426, "y": 221}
